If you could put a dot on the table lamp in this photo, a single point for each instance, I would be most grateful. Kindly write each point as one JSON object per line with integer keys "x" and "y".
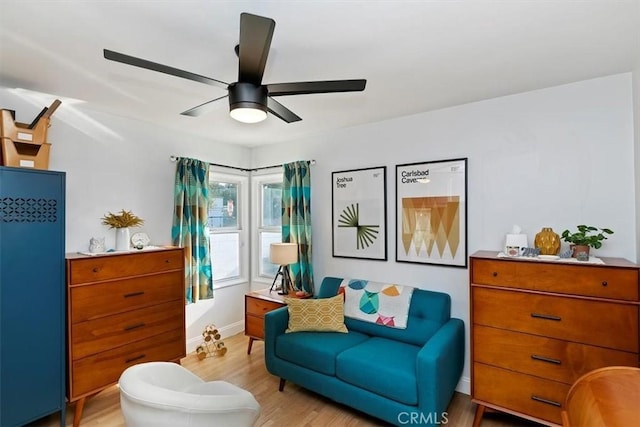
{"x": 283, "y": 254}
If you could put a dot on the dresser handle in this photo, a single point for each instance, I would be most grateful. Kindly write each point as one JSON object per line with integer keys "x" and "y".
{"x": 547, "y": 401}
{"x": 546, "y": 316}
{"x": 95, "y": 269}
{"x": 604, "y": 283}
{"x": 546, "y": 359}
{"x": 142, "y": 356}
{"x": 136, "y": 326}
{"x": 166, "y": 261}
{"x": 134, "y": 294}
{"x": 495, "y": 274}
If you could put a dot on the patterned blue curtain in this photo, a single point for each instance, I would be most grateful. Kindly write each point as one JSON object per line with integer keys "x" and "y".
{"x": 190, "y": 226}
{"x": 296, "y": 220}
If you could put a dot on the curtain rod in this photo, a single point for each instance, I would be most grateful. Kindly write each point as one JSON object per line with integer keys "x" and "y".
{"x": 175, "y": 158}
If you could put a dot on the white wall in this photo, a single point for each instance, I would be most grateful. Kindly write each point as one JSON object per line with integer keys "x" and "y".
{"x": 636, "y": 110}
{"x": 556, "y": 157}
{"x": 636, "y": 113}
{"x": 114, "y": 163}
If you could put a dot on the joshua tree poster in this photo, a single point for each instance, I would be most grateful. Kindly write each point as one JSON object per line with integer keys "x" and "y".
{"x": 359, "y": 200}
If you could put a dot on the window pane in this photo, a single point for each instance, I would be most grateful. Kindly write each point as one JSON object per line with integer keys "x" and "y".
{"x": 266, "y": 239}
{"x": 272, "y": 204}
{"x": 223, "y": 205}
{"x": 225, "y": 255}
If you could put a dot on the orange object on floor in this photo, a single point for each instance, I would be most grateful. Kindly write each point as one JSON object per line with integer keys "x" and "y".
{"x": 604, "y": 397}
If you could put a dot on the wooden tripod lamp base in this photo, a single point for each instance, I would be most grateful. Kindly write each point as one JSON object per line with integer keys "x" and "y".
{"x": 283, "y": 254}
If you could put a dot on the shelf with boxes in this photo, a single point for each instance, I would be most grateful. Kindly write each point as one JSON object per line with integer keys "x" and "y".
{"x": 25, "y": 145}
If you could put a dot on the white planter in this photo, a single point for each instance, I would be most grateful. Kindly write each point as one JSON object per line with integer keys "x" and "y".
{"x": 122, "y": 239}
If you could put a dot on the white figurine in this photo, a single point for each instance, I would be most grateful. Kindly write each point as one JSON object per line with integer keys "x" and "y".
{"x": 96, "y": 244}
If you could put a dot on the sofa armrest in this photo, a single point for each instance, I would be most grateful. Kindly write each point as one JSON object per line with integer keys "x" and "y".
{"x": 439, "y": 367}
{"x": 275, "y": 323}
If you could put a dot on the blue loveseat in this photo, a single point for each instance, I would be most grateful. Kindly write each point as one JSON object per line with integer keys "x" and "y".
{"x": 402, "y": 376}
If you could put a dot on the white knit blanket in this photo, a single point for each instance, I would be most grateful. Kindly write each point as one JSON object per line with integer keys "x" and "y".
{"x": 382, "y": 303}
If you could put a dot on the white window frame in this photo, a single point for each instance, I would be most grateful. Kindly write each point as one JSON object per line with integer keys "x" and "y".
{"x": 258, "y": 179}
{"x": 241, "y": 179}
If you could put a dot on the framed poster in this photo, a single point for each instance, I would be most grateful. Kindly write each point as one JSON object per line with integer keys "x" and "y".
{"x": 431, "y": 213}
{"x": 359, "y": 221}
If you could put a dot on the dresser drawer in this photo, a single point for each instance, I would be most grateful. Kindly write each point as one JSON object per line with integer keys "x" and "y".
{"x": 550, "y": 358}
{"x": 604, "y": 324}
{"x": 103, "y": 334}
{"x": 587, "y": 280}
{"x": 101, "y": 370}
{"x": 260, "y": 306}
{"x": 527, "y": 394}
{"x": 254, "y": 326}
{"x": 118, "y": 296}
{"x": 87, "y": 270}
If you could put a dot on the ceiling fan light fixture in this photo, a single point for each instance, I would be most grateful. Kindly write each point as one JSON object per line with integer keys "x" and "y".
{"x": 247, "y": 102}
{"x": 249, "y": 99}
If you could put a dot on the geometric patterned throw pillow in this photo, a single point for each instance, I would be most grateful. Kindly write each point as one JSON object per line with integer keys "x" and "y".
{"x": 318, "y": 315}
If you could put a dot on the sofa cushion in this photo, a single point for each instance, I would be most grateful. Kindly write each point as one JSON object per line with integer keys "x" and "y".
{"x": 382, "y": 366}
{"x": 320, "y": 315}
{"x": 316, "y": 350}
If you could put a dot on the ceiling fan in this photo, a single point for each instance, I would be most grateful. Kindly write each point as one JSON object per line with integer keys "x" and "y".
{"x": 249, "y": 99}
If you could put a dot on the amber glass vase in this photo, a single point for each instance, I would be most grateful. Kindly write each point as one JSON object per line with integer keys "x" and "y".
{"x": 547, "y": 241}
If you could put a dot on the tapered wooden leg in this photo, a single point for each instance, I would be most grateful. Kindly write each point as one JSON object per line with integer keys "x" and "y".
{"x": 77, "y": 414}
{"x": 479, "y": 414}
{"x": 250, "y": 345}
{"x": 281, "y": 386}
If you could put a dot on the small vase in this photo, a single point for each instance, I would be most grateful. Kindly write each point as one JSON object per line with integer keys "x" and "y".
{"x": 547, "y": 241}
{"x": 122, "y": 239}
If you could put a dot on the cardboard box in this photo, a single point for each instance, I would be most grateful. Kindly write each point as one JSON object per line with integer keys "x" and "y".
{"x": 32, "y": 133}
{"x": 25, "y": 155}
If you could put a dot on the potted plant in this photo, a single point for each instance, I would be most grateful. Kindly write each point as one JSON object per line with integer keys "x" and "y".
{"x": 586, "y": 237}
{"x": 121, "y": 222}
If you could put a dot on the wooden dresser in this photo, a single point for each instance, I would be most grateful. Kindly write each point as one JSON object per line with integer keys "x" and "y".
{"x": 122, "y": 309}
{"x": 537, "y": 326}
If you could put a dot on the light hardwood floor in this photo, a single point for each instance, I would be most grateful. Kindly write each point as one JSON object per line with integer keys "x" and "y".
{"x": 295, "y": 406}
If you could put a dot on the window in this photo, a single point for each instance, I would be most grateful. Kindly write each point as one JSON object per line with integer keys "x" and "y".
{"x": 267, "y": 216}
{"x": 230, "y": 226}
{"x": 228, "y": 220}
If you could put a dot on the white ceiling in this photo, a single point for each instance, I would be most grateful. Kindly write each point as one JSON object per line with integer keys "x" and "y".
{"x": 416, "y": 55}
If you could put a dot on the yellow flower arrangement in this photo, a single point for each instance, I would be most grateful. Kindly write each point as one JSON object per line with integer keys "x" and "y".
{"x": 122, "y": 220}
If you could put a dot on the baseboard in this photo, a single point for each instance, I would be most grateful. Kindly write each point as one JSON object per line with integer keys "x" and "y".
{"x": 464, "y": 385}
{"x": 226, "y": 331}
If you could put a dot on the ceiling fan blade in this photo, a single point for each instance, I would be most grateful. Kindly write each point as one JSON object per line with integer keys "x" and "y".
{"x": 255, "y": 40}
{"x": 143, "y": 63}
{"x": 202, "y": 108}
{"x": 327, "y": 86}
{"x": 281, "y": 112}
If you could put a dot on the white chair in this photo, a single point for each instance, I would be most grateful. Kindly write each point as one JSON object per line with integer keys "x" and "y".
{"x": 164, "y": 394}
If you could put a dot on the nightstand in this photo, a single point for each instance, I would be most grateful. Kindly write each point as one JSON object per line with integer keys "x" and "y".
{"x": 256, "y": 305}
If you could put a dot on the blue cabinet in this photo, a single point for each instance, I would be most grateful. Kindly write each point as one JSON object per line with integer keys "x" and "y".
{"x": 32, "y": 295}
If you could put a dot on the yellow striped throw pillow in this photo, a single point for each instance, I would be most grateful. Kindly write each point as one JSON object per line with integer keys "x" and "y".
{"x": 318, "y": 315}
